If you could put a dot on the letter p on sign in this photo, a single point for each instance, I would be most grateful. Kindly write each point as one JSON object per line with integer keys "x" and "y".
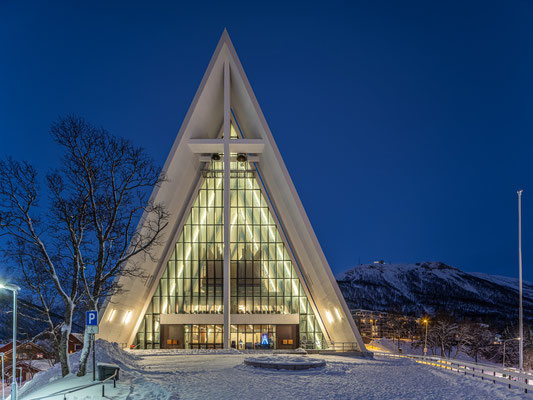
{"x": 91, "y": 318}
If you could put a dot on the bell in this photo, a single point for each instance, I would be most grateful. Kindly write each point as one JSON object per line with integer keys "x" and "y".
{"x": 215, "y": 157}
{"x": 241, "y": 157}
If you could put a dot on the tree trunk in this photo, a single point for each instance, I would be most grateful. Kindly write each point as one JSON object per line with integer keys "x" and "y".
{"x": 85, "y": 352}
{"x": 457, "y": 350}
{"x": 56, "y": 347}
{"x": 63, "y": 342}
{"x": 63, "y": 350}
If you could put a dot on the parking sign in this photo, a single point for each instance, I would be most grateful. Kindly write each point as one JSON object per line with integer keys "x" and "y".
{"x": 91, "y": 318}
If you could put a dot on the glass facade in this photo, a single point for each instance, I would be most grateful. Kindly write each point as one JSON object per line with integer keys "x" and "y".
{"x": 204, "y": 336}
{"x": 246, "y": 337}
{"x": 263, "y": 277}
{"x": 242, "y": 336}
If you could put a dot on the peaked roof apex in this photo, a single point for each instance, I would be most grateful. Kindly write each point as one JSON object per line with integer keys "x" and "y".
{"x": 225, "y": 36}
{"x": 225, "y": 40}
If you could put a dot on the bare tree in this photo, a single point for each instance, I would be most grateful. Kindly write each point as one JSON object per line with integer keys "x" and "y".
{"x": 88, "y": 236}
{"x": 471, "y": 337}
{"x": 114, "y": 179}
{"x": 21, "y": 219}
{"x": 411, "y": 328}
{"x": 42, "y": 292}
{"x": 494, "y": 352}
{"x": 442, "y": 333}
{"x": 481, "y": 341}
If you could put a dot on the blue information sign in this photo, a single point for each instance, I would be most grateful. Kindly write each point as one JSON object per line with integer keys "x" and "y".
{"x": 264, "y": 339}
{"x": 91, "y": 318}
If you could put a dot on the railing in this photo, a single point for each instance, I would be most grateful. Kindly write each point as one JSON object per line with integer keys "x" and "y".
{"x": 234, "y": 173}
{"x": 484, "y": 371}
{"x": 64, "y": 392}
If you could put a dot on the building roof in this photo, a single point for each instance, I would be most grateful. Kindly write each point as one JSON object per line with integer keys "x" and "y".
{"x": 77, "y": 336}
{"x": 6, "y": 347}
{"x": 21, "y": 346}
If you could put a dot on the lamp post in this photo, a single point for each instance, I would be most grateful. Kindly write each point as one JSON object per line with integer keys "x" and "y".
{"x": 426, "y": 321}
{"x": 15, "y": 290}
{"x": 520, "y": 315}
{"x": 3, "y": 390}
{"x": 505, "y": 341}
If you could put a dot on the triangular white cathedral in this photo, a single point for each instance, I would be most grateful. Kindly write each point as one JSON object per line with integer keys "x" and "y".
{"x": 241, "y": 266}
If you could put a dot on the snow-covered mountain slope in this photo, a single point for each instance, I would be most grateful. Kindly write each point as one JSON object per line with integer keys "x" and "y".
{"x": 433, "y": 287}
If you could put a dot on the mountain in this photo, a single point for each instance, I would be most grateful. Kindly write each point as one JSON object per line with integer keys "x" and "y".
{"x": 432, "y": 288}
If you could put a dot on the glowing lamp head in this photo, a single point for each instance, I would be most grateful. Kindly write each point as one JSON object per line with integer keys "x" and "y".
{"x": 9, "y": 286}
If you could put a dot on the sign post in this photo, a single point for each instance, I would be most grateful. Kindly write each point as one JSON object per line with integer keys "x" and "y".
{"x": 91, "y": 327}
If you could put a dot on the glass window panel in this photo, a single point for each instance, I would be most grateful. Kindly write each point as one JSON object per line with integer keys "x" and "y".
{"x": 179, "y": 305}
{"x": 187, "y": 267}
{"x": 218, "y": 215}
{"x": 295, "y": 306}
{"x": 280, "y": 269}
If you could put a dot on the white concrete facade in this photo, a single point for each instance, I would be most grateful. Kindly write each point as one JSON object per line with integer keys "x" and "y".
{"x": 225, "y": 88}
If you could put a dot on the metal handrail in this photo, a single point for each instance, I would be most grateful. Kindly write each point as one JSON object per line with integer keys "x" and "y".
{"x": 69, "y": 391}
{"x": 484, "y": 371}
{"x": 455, "y": 361}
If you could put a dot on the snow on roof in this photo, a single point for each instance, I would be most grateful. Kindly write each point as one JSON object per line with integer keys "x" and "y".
{"x": 78, "y": 336}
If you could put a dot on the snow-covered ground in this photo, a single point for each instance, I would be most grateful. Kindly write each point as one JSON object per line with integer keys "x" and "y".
{"x": 211, "y": 375}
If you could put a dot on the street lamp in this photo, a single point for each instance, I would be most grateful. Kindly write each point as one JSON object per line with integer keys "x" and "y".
{"x": 426, "y": 321}
{"x": 520, "y": 315}
{"x": 505, "y": 341}
{"x": 3, "y": 390}
{"x": 15, "y": 290}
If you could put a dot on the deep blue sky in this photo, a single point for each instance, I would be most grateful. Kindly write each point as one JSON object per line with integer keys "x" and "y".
{"x": 406, "y": 126}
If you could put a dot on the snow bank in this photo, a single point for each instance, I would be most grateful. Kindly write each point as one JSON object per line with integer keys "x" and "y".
{"x": 106, "y": 352}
